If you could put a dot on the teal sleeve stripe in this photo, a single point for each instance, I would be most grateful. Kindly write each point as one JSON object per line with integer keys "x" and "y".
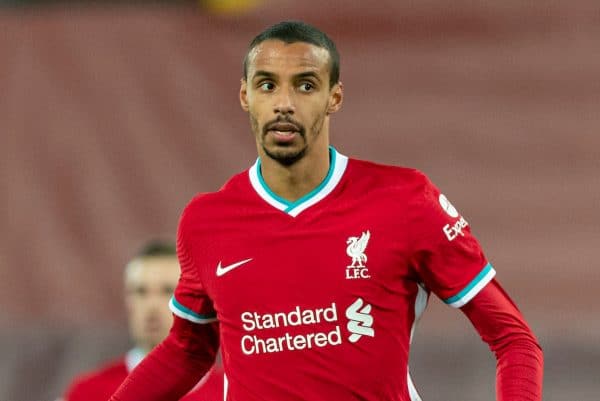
{"x": 190, "y": 312}
{"x": 483, "y": 273}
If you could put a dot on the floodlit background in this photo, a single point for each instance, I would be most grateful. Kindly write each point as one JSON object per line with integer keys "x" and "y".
{"x": 113, "y": 115}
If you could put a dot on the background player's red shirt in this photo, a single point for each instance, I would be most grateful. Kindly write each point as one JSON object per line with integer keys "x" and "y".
{"x": 100, "y": 384}
{"x": 310, "y": 293}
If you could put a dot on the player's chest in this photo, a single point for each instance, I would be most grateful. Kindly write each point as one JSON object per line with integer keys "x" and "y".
{"x": 326, "y": 258}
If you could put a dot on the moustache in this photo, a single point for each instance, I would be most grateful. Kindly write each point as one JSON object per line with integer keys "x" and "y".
{"x": 283, "y": 124}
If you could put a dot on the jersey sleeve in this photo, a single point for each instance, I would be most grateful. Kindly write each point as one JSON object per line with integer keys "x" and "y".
{"x": 190, "y": 300}
{"x": 447, "y": 257}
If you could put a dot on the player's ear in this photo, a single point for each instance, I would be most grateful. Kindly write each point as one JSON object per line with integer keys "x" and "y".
{"x": 244, "y": 94}
{"x": 336, "y": 97}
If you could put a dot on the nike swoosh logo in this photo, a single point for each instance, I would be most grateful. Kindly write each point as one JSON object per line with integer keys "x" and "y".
{"x": 225, "y": 269}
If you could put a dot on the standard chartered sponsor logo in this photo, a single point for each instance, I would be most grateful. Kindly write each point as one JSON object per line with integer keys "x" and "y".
{"x": 255, "y": 322}
{"x": 360, "y": 321}
{"x": 326, "y": 319}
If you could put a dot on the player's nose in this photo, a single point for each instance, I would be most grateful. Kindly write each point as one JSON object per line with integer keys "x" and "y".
{"x": 284, "y": 102}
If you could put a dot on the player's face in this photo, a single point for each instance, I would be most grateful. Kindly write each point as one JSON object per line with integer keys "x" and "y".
{"x": 288, "y": 98}
{"x": 149, "y": 284}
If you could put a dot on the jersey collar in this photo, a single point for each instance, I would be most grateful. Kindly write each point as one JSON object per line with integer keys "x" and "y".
{"x": 337, "y": 166}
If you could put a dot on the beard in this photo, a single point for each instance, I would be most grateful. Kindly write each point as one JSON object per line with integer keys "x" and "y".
{"x": 285, "y": 158}
{"x": 286, "y": 154}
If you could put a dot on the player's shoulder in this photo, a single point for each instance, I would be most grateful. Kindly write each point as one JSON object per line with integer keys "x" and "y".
{"x": 387, "y": 176}
{"x": 104, "y": 377}
{"x": 114, "y": 368}
{"x": 211, "y": 203}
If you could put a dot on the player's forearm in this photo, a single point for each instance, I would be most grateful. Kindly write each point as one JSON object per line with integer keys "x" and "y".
{"x": 163, "y": 375}
{"x": 174, "y": 366}
{"x": 519, "y": 371}
{"x": 520, "y": 363}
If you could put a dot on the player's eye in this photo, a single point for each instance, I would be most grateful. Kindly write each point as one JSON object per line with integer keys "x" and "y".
{"x": 140, "y": 291}
{"x": 267, "y": 86}
{"x": 306, "y": 87}
{"x": 168, "y": 290}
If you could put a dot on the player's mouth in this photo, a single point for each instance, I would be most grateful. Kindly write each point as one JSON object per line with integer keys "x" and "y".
{"x": 152, "y": 325}
{"x": 283, "y": 132}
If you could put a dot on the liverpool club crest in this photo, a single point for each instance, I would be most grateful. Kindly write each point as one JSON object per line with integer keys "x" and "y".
{"x": 356, "y": 250}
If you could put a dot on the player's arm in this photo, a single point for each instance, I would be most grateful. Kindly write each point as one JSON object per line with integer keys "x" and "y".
{"x": 520, "y": 363}
{"x": 188, "y": 352}
{"x": 174, "y": 366}
{"x": 450, "y": 262}
{"x": 76, "y": 392}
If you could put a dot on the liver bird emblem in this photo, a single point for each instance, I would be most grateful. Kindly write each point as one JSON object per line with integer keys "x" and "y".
{"x": 356, "y": 249}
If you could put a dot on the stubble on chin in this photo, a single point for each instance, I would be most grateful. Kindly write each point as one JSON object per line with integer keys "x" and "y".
{"x": 285, "y": 155}
{"x": 285, "y": 158}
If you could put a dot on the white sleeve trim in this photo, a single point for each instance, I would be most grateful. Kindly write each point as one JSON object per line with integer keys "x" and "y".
{"x": 481, "y": 280}
{"x": 185, "y": 313}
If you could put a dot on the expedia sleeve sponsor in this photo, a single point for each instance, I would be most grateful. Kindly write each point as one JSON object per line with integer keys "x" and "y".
{"x": 456, "y": 229}
{"x": 444, "y": 253}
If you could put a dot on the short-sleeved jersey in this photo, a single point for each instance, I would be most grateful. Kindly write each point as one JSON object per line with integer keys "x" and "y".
{"x": 317, "y": 299}
{"x": 100, "y": 384}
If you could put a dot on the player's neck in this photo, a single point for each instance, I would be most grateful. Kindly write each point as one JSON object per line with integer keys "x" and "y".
{"x": 293, "y": 182}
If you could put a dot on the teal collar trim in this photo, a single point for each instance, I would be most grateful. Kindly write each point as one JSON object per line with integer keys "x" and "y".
{"x": 337, "y": 166}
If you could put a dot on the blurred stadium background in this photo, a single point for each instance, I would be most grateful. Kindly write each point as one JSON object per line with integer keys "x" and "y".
{"x": 113, "y": 115}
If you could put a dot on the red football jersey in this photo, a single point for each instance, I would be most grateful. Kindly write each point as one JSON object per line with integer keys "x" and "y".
{"x": 100, "y": 384}
{"x": 317, "y": 299}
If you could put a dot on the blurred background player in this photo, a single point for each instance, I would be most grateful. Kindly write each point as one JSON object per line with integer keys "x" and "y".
{"x": 150, "y": 279}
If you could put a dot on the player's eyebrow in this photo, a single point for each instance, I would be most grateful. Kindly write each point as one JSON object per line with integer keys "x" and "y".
{"x": 270, "y": 75}
{"x": 308, "y": 74}
{"x": 263, "y": 74}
